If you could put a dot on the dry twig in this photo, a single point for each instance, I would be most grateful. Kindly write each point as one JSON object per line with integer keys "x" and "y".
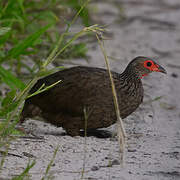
{"x": 120, "y": 127}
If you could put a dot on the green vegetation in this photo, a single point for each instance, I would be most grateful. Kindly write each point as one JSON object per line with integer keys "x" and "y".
{"x": 28, "y": 28}
{"x": 33, "y": 33}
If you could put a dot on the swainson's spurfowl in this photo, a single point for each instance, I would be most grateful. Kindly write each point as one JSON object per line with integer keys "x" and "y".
{"x": 89, "y": 88}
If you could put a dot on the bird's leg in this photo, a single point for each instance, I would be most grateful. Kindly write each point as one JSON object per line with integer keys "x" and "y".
{"x": 72, "y": 126}
{"x": 72, "y": 132}
{"x": 30, "y": 111}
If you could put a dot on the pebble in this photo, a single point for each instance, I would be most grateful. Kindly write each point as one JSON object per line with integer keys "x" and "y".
{"x": 94, "y": 168}
{"x": 174, "y": 75}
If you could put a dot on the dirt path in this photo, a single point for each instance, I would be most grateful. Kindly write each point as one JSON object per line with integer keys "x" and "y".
{"x": 150, "y": 28}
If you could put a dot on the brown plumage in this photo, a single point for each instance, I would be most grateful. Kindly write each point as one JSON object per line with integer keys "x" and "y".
{"x": 89, "y": 88}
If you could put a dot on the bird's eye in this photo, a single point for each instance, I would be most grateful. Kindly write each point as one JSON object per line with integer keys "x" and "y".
{"x": 149, "y": 64}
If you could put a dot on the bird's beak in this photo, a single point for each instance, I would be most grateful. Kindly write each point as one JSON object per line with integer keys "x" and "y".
{"x": 159, "y": 68}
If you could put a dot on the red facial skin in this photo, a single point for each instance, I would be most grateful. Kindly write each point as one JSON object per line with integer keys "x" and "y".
{"x": 143, "y": 76}
{"x": 153, "y": 67}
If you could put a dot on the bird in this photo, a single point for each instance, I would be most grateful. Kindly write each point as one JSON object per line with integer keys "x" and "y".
{"x": 83, "y": 98}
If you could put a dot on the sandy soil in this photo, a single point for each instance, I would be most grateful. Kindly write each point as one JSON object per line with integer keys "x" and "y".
{"x": 150, "y": 28}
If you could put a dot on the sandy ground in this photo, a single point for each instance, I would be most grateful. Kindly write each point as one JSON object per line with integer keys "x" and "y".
{"x": 150, "y": 28}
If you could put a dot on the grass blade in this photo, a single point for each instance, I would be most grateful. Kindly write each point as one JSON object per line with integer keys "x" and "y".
{"x": 27, "y": 42}
{"x": 4, "y": 30}
{"x": 120, "y": 126}
{"x": 50, "y": 164}
{"x": 11, "y": 80}
{"x": 25, "y": 172}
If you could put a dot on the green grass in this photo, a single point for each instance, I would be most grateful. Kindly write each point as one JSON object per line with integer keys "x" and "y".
{"x": 25, "y": 173}
{"x": 28, "y": 28}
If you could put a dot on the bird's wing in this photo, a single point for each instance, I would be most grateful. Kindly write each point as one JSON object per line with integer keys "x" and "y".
{"x": 79, "y": 87}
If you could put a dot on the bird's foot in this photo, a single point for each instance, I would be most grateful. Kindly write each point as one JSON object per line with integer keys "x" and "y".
{"x": 97, "y": 133}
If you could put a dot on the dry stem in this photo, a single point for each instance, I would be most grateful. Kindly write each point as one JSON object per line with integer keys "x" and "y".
{"x": 120, "y": 127}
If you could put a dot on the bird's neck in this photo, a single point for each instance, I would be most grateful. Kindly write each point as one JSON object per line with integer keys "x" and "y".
{"x": 131, "y": 73}
{"x": 131, "y": 83}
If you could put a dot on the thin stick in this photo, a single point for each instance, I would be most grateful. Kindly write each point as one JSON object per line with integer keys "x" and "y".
{"x": 120, "y": 126}
{"x": 85, "y": 143}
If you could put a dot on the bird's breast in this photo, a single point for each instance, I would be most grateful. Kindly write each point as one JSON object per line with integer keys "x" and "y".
{"x": 130, "y": 96}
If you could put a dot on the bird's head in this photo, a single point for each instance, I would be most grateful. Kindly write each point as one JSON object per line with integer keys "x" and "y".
{"x": 142, "y": 66}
